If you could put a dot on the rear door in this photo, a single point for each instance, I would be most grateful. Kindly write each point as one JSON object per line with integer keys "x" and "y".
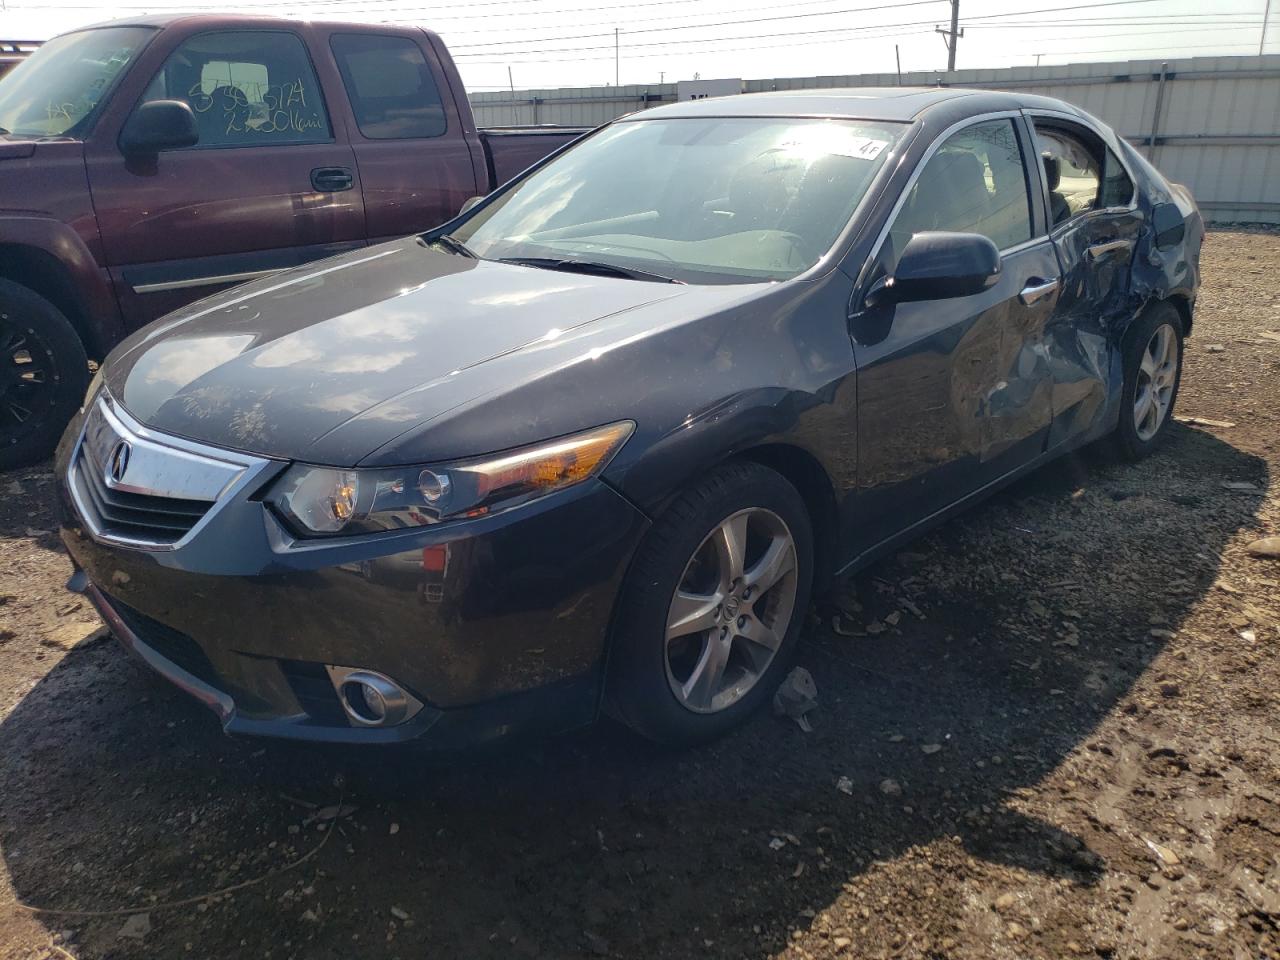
{"x": 415, "y": 165}
{"x": 269, "y": 185}
{"x": 1094, "y": 223}
{"x": 954, "y": 394}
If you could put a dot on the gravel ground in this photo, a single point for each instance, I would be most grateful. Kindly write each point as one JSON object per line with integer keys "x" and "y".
{"x": 1052, "y": 728}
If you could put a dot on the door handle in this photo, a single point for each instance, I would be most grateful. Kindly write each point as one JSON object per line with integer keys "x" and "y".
{"x": 332, "y": 179}
{"x": 1099, "y": 250}
{"x": 1037, "y": 290}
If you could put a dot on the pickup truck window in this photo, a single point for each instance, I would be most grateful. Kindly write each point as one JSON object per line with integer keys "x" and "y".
{"x": 53, "y": 93}
{"x": 714, "y": 200}
{"x": 390, "y": 85}
{"x": 246, "y": 88}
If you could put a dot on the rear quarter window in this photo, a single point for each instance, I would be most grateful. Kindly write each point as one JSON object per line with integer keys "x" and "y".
{"x": 389, "y": 82}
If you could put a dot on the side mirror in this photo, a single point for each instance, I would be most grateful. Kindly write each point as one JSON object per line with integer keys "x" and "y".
{"x": 1168, "y": 225}
{"x": 159, "y": 125}
{"x": 939, "y": 266}
{"x": 468, "y": 204}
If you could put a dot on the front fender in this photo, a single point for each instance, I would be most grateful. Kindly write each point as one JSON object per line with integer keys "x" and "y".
{"x": 76, "y": 272}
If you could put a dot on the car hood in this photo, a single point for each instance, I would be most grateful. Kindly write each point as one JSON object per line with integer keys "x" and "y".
{"x": 352, "y": 346}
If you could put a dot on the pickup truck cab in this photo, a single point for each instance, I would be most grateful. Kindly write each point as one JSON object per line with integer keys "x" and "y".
{"x": 148, "y": 162}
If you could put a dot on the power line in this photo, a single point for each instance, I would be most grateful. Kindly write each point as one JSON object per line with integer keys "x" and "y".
{"x": 519, "y": 47}
{"x": 800, "y": 43}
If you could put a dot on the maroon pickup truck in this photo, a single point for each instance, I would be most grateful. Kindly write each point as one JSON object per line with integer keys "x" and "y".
{"x": 145, "y": 163}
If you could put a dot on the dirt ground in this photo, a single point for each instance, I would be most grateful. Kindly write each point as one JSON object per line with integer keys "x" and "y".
{"x": 1055, "y": 733}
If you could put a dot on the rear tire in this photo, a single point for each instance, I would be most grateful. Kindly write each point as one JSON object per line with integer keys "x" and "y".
{"x": 1152, "y": 358}
{"x": 43, "y": 375}
{"x": 700, "y": 640}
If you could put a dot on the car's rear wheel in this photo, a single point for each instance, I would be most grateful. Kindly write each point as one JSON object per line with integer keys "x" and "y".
{"x": 1152, "y": 373}
{"x": 712, "y": 607}
{"x": 43, "y": 375}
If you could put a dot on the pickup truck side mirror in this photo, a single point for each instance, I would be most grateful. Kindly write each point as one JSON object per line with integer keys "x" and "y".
{"x": 1168, "y": 225}
{"x": 159, "y": 125}
{"x": 938, "y": 266}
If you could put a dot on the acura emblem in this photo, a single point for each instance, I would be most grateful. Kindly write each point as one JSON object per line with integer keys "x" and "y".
{"x": 119, "y": 461}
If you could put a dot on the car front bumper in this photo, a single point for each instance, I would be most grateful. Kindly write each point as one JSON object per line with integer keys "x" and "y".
{"x": 495, "y": 624}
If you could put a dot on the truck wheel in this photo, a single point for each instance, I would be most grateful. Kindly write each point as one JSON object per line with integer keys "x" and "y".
{"x": 711, "y": 609}
{"x": 43, "y": 375}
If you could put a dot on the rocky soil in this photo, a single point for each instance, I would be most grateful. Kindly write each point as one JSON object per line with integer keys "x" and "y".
{"x": 1050, "y": 729}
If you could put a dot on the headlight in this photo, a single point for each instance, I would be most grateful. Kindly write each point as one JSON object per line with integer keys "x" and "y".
{"x": 329, "y": 500}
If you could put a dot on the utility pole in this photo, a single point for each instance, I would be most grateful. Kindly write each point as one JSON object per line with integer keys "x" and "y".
{"x": 617, "y": 69}
{"x": 949, "y": 37}
{"x": 897, "y": 58}
{"x": 1262, "y": 40}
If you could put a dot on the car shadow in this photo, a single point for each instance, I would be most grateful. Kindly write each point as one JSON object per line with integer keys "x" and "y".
{"x": 960, "y": 673}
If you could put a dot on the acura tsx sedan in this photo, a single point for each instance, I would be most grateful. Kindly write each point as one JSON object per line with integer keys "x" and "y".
{"x": 594, "y": 443}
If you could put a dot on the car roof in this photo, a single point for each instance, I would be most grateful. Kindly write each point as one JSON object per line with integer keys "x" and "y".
{"x": 902, "y": 104}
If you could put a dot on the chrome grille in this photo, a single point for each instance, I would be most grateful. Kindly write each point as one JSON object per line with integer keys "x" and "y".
{"x": 142, "y": 489}
{"x": 131, "y": 515}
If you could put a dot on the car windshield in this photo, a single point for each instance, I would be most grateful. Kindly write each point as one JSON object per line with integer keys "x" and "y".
{"x": 709, "y": 200}
{"x": 51, "y": 92}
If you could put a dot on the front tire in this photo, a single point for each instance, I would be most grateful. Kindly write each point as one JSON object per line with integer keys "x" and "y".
{"x": 1152, "y": 357}
{"x": 711, "y": 610}
{"x": 43, "y": 375}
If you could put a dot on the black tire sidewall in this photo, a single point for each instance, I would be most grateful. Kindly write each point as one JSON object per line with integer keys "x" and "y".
{"x": 638, "y": 692}
{"x": 1127, "y": 444}
{"x": 27, "y": 310}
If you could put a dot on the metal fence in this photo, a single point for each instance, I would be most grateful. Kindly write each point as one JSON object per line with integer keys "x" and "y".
{"x": 1212, "y": 123}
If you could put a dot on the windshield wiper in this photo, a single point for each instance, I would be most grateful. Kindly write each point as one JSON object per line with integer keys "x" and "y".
{"x": 453, "y": 244}
{"x": 589, "y": 266}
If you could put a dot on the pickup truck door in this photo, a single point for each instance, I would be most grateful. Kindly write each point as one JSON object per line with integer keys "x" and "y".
{"x": 409, "y": 138}
{"x": 271, "y": 184}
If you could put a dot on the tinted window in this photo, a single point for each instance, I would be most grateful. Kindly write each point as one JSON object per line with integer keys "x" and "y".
{"x": 1072, "y": 173}
{"x": 974, "y": 183}
{"x": 1117, "y": 188}
{"x": 246, "y": 88}
{"x": 390, "y": 85}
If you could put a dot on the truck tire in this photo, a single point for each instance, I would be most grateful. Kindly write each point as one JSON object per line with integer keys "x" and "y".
{"x": 43, "y": 375}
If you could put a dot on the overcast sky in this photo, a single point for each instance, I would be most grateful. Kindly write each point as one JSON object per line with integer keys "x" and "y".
{"x": 553, "y": 43}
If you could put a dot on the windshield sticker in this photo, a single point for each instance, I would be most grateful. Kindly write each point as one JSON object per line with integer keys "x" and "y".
{"x": 835, "y": 143}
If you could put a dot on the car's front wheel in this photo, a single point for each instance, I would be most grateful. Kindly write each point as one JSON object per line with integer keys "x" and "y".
{"x": 712, "y": 606}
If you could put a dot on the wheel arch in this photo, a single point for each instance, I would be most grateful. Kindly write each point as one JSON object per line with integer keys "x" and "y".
{"x": 804, "y": 472}
{"x": 43, "y": 273}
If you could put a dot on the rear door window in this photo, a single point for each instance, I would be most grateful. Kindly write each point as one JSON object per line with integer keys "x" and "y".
{"x": 1071, "y": 171}
{"x": 392, "y": 92}
{"x": 1117, "y": 188}
{"x": 246, "y": 88}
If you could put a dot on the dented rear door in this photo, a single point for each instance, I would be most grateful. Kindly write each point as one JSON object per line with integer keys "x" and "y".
{"x": 1095, "y": 245}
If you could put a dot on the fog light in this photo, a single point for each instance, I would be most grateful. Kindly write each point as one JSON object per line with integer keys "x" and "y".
{"x": 370, "y": 699}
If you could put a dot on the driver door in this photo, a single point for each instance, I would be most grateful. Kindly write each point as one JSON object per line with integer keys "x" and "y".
{"x": 954, "y": 394}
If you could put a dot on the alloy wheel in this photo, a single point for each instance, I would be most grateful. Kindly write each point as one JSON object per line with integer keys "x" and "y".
{"x": 731, "y": 610}
{"x": 1157, "y": 376}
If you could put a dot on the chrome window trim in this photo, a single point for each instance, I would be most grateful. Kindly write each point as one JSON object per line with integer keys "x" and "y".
{"x": 248, "y": 469}
{"x": 938, "y": 141}
{"x": 1080, "y": 121}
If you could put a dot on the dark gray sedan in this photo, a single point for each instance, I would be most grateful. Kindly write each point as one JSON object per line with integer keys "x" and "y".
{"x": 594, "y": 443}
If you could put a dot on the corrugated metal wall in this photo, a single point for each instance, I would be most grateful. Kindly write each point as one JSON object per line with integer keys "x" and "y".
{"x": 1218, "y": 129}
